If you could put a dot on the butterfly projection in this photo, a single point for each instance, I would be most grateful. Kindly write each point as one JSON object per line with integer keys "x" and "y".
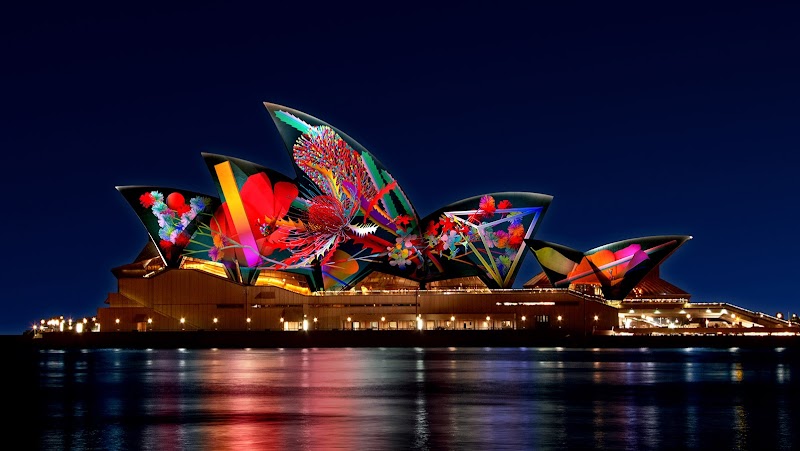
{"x": 338, "y": 219}
{"x": 616, "y": 267}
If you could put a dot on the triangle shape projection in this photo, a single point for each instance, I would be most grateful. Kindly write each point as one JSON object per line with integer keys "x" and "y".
{"x": 496, "y": 243}
{"x": 171, "y": 216}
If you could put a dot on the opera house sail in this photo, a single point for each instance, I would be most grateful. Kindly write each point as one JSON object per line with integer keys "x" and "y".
{"x": 339, "y": 245}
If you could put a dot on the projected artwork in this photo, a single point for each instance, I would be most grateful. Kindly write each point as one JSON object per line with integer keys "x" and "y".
{"x": 616, "y": 267}
{"x": 343, "y": 216}
{"x": 482, "y": 236}
{"x": 170, "y": 216}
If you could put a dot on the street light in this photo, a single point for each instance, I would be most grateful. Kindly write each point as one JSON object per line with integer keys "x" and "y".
{"x": 117, "y": 321}
{"x": 315, "y": 323}
{"x": 149, "y": 323}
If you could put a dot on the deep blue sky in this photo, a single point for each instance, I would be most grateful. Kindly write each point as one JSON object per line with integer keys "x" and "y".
{"x": 638, "y": 119}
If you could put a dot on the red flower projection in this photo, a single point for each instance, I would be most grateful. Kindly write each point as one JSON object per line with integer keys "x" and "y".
{"x": 264, "y": 205}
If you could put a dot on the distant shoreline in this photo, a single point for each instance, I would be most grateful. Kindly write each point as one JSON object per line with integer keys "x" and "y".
{"x": 375, "y": 339}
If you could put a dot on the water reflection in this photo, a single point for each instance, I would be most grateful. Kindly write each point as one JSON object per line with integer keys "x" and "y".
{"x": 414, "y": 398}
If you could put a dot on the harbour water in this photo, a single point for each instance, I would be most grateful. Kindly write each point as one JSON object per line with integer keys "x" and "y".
{"x": 400, "y": 398}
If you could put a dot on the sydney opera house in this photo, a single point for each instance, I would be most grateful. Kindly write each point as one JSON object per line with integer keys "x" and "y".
{"x": 339, "y": 246}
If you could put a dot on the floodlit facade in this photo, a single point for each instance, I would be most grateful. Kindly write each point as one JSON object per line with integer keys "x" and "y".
{"x": 340, "y": 246}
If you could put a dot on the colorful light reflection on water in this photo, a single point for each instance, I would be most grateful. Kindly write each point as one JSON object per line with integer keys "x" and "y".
{"x": 413, "y": 398}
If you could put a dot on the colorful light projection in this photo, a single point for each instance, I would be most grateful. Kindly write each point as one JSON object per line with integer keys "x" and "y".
{"x": 342, "y": 217}
{"x": 616, "y": 267}
{"x": 482, "y": 236}
{"x": 171, "y": 216}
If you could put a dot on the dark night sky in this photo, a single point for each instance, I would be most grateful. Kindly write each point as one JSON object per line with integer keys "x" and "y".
{"x": 640, "y": 120}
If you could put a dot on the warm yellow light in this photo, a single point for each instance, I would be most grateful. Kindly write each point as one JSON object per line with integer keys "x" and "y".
{"x": 523, "y": 318}
{"x": 596, "y": 317}
{"x": 419, "y": 323}
{"x": 779, "y": 315}
{"x": 682, "y": 312}
{"x": 657, "y": 312}
{"x": 183, "y": 320}
{"x": 305, "y": 324}
{"x": 34, "y": 327}
{"x": 688, "y": 316}
{"x": 488, "y": 319}
{"x": 149, "y": 320}
{"x": 85, "y": 321}
{"x": 632, "y": 311}
{"x": 41, "y": 322}
{"x": 383, "y": 318}
{"x": 116, "y": 320}
{"x": 559, "y": 317}
{"x": 79, "y": 328}
{"x": 349, "y": 319}
{"x": 733, "y": 315}
{"x": 216, "y": 320}
{"x": 315, "y": 319}
{"x": 248, "y": 320}
{"x": 281, "y": 319}
{"x": 452, "y": 318}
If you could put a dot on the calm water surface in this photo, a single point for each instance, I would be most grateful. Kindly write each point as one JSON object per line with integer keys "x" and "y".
{"x": 465, "y": 398}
